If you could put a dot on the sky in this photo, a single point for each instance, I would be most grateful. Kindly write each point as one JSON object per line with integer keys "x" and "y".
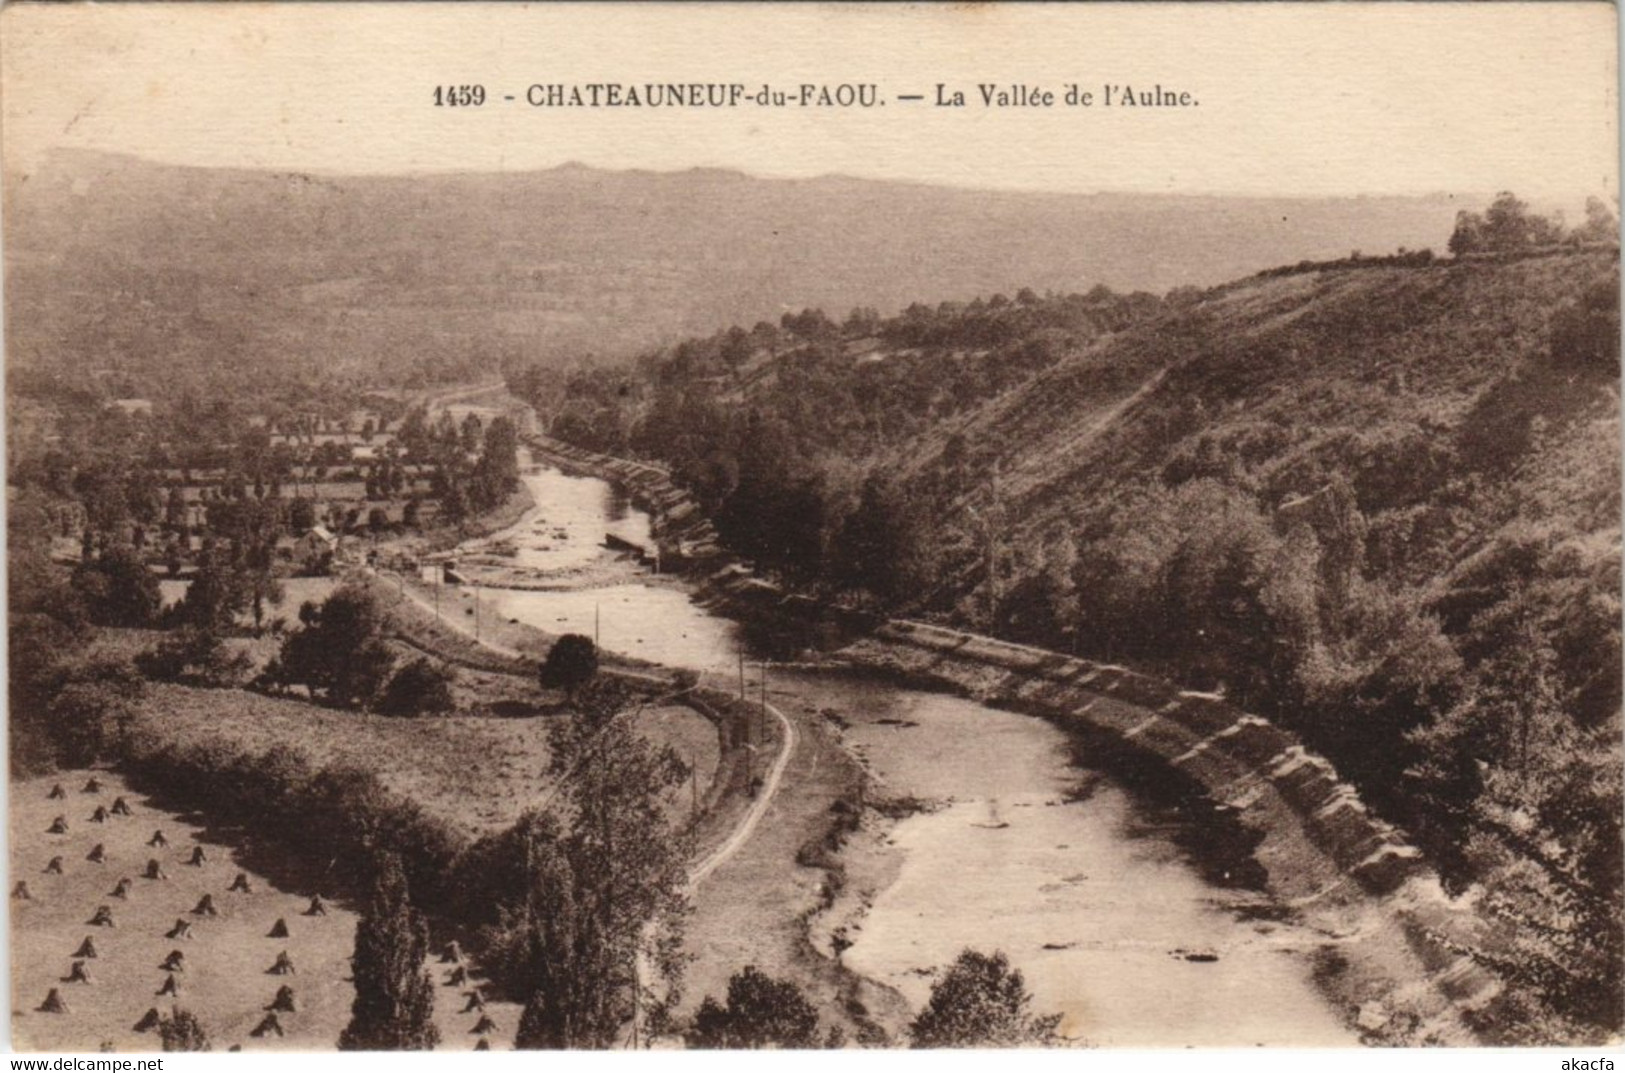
{"x": 1294, "y": 99}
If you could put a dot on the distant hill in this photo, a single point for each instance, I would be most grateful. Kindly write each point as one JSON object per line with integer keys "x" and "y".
{"x": 157, "y": 277}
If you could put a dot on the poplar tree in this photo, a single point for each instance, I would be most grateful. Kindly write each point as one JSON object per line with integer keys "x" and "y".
{"x": 394, "y": 995}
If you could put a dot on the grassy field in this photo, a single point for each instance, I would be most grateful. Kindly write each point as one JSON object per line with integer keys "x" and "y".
{"x": 225, "y": 982}
{"x": 295, "y": 591}
{"x": 477, "y": 773}
{"x": 692, "y": 737}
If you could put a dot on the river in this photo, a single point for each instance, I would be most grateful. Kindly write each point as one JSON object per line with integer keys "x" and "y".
{"x": 1020, "y": 851}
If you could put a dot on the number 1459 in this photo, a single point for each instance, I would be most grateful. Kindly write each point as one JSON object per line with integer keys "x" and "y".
{"x": 459, "y": 96}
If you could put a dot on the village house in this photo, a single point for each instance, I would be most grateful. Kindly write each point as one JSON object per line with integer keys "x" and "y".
{"x": 315, "y": 549}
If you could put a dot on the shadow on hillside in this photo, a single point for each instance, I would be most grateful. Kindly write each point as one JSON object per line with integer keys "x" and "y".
{"x": 246, "y": 848}
{"x": 1502, "y": 427}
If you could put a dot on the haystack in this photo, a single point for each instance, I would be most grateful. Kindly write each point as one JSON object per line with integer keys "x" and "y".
{"x": 87, "y": 949}
{"x": 279, "y": 930}
{"x": 94, "y": 786}
{"x": 458, "y": 977}
{"x": 97, "y": 854}
{"x": 53, "y": 1003}
{"x": 20, "y": 892}
{"x": 198, "y": 858}
{"x": 121, "y": 889}
{"x": 175, "y": 962}
{"x": 241, "y": 883}
{"x": 318, "y": 908}
{"x": 476, "y": 1001}
{"x": 205, "y": 907}
{"x": 483, "y": 1025}
{"x": 181, "y": 930}
{"x": 103, "y": 917}
{"x": 170, "y": 987}
{"x": 99, "y": 816}
{"x": 158, "y": 839}
{"x": 77, "y": 974}
{"x": 55, "y": 867}
{"x": 282, "y": 967}
{"x": 284, "y": 1001}
{"x": 154, "y": 870}
{"x": 452, "y": 954}
{"x": 269, "y": 1025}
{"x": 57, "y": 793}
{"x": 148, "y": 1022}
{"x": 59, "y": 826}
{"x": 121, "y": 807}
{"x": 483, "y": 1045}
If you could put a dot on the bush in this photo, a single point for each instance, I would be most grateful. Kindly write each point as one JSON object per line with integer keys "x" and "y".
{"x": 334, "y": 818}
{"x": 1585, "y": 333}
{"x": 93, "y": 706}
{"x": 196, "y": 657}
{"x": 761, "y": 1012}
{"x": 422, "y": 687}
{"x": 181, "y": 1031}
{"x": 571, "y": 663}
{"x": 982, "y": 1002}
{"x": 338, "y": 653}
{"x": 38, "y": 647}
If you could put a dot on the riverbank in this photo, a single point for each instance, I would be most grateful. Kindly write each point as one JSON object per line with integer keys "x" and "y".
{"x": 1402, "y": 960}
{"x": 440, "y": 538}
{"x": 683, "y": 536}
{"x": 979, "y": 830}
{"x": 759, "y": 907}
{"x": 1398, "y": 956}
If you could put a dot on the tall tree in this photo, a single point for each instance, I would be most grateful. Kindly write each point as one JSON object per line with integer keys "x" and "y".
{"x": 394, "y": 994}
{"x": 118, "y": 588}
{"x": 218, "y": 592}
{"x": 605, "y": 899}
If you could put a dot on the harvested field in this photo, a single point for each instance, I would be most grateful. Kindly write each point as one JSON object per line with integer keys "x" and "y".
{"x": 224, "y": 981}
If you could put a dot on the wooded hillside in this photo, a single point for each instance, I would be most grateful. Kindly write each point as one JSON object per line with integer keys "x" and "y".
{"x": 1378, "y": 501}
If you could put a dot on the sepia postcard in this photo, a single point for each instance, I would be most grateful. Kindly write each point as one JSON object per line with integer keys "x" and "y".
{"x": 834, "y": 526}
